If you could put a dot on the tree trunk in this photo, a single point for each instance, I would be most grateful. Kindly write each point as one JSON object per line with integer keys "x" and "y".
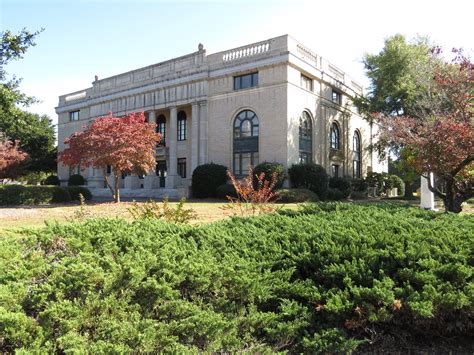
{"x": 116, "y": 190}
{"x": 452, "y": 202}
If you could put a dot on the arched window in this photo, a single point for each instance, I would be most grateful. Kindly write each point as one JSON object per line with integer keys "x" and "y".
{"x": 305, "y": 138}
{"x": 356, "y": 156}
{"x": 161, "y": 128}
{"x": 181, "y": 126}
{"x": 245, "y": 142}
{"x": 335, "y": 142}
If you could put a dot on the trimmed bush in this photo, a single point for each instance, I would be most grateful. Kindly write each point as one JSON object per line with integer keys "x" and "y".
{"x": 359, "y": 185}
{"x": 342, "y": 184}
{"x": 225, "y": 190}
{"x": 383, "y": 182}
{"x": 74, "y": 191}
{"x": 310, "y": 176}
{"x": 297, "y": 195}
{"x": 268, "y": 168}
{"x": 32, "y": 195}
{"x": 311, "y": 281}
{"x": 52, "y": 180}
{"x": 335, "y": 194}
{"x": 398, "y": 183}
{"x": 76, "y": 180}
{"x": 207, "y": 178}
{"x": 359, "y": 195}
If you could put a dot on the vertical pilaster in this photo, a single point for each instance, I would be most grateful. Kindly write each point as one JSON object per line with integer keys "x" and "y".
{"x": 195, "y": 137}
{"x": 203, "y": 117}
{"x": 173, "y": 149}
{"x": 151, "y": 181}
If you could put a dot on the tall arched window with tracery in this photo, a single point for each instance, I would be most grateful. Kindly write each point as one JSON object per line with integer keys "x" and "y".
{"x": 305, "y": 138}
{"x": 356, "y": 156}
{"x": 335, "y": 137}
{"x": 245, "y": 150}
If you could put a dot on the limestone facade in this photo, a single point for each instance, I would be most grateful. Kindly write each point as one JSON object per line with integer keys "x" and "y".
{"x": 275, "y": 80}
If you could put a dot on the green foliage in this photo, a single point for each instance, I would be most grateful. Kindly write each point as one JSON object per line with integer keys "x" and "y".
{"x": 34, "y": 178}
{"x": 32, "y": 195}
{"x": 342, "y": 184}
{"x": 397, "y": 76}
{"x": 297, "y": 195}
{"x": 76, "y": 180}
{"x": 359, "y": 195}
{"x": 207, "y": 178}
{"x": 225, "y": 190}
{"x": 164, "y": 211}
{"x": 310, "y": 176}
{"x": 398, "y": 183}
{"x": 382, "y": 182}
{"x": 335, "y": 194}
{"x": 319, "y": 280}
{"x": 269, "y": 168}
{"x": 35, "y": 132}
{"x": 359, "y": 185}
{"x": 77, "y": 191}
{"x": 52, "y": 180}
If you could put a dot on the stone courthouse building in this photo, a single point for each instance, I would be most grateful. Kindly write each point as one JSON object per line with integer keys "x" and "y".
{"x": 274, "y": 100}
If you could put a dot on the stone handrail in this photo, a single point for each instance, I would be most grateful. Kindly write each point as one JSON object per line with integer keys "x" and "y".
{"x": 305, "y": 52}
{"x": 246, "y": 51}
{"x": 76, "y": 96}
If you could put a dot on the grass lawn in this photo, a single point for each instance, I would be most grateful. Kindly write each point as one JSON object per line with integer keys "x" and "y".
{"x": 35, "y": 216}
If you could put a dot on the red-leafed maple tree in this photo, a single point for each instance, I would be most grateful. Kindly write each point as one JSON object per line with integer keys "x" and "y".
{"x": 442, "y": 140}
{"x": 126, "y": 144}
{"x": 11, "y": 159}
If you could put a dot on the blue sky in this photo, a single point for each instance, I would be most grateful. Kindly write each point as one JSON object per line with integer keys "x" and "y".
{"x": 86, "y": 38}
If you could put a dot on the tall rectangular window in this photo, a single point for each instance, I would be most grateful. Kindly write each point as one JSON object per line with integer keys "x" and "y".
{"x": 182, "y": 167}
{"x": 245, "y": 81}
{"x": 182, "y": 129}
{"x": 306, "y": 83}
{"x": 242, "y": 162}
{"x": 336, "y": 97}
{"x": 74, "y": 116}
{"x": 335, "y": 170}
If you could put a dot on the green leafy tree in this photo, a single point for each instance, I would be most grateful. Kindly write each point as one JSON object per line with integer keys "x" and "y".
{"x": 401, "y": 84}
{"x": 397, "y": 77}
{"x": 35, "y": 132}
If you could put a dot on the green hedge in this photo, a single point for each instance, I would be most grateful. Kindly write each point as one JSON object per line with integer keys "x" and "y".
{"x": 32, "y": 195}
{"x": 297, "y": 195}
{"x": 269, "y": 168}
{"x": 207, "y": 178}
{"x": 52, "y": 180}
{"x": 328, "y": 278}
{"x": 225, "y": 190}
{"x": 310, "y": 176}
{"x": 74, "y": 191}
{"x": 76, "y": 180}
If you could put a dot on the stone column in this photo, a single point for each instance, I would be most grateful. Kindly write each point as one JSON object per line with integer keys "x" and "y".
{"x": 173, "y": 149}
{"x": 151, "y": 181}
{"x": 195, "y": 137}
{"x": 203, "y": 133}
{"x": 427, "y": 197}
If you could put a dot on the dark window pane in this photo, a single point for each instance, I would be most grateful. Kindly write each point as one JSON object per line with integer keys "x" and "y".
{"x": 254, "y": 79}
{"x": 237, "y": 83}
{"x": 246, "y": 81}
